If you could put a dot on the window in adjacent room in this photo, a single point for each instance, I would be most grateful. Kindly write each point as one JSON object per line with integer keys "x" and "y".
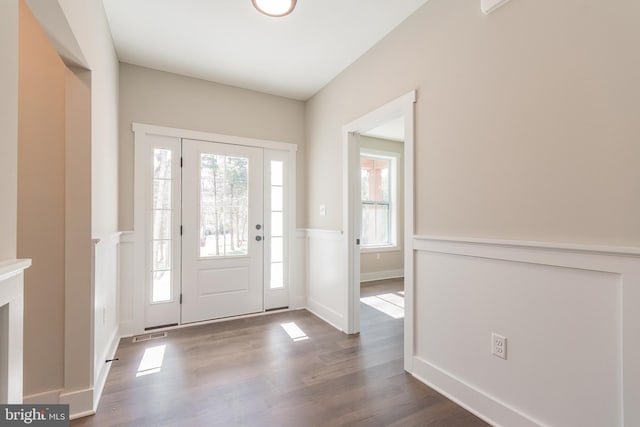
{"x": 378, "y": 182}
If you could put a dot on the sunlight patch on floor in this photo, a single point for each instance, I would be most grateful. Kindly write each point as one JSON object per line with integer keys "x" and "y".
{"x": 152, "y": 359}
{"x": 391, "y": 304}
{"x": 294, "y": 332}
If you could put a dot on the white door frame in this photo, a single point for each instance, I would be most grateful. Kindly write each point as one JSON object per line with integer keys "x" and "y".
{"x": 400, "y": 107}
{"x": 140, "y": 131}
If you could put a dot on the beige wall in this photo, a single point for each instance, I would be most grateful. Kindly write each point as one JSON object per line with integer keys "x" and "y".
{"x": 371, "y": 262}
{"x": 88, "y": 21}
{"x": 8, "y": 127}
{"x": 78, "y": 245}
{"x": 165, "y": 99}
{"x": 526, "y": 120}
{"x": 41, "y": 204}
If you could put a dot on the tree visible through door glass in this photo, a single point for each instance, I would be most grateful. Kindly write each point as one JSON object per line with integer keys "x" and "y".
{"x": 161, "y": 238}
{"x": 224, "y": 205}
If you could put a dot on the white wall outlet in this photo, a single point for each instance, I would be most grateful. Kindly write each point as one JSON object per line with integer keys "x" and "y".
{"x": 378, "y": 255}
{"x": 323, "y": 210}
{"x": 499, "y": 346}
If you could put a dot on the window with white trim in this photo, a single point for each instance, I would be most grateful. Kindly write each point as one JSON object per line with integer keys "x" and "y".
{"x": 378, "y": 181}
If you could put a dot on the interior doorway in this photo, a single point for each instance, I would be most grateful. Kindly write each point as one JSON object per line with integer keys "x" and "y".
{"x": 398, "y": 113}
{"x": 382, "y": 221}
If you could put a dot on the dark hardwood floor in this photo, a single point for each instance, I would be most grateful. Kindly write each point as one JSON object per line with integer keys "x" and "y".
{"x": 250, "y": 372}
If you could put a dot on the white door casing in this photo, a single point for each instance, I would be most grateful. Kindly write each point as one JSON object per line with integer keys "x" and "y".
{"x": 274, "y": 292}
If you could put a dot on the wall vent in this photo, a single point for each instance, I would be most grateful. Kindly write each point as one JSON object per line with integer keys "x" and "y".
{"x": 148, "y": 337}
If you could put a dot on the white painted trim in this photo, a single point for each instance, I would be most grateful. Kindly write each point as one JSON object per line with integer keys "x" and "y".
{"x": 127, "y": 236}
{"x": 317, "y": 233}
{"x": 488, "y": 6}
{"x": 80, "y": 401}
{"x": 13, "y": 267}
{"x": 325, "y": 313}
{"x": 401, "y": 106}
{"x": 221, "y": 320}
{"x": 381, "y": 275}
{"x": 623, "y": 261}
{"x": 12, "y": 332}
{"x": 469, "y": 397}
{"x": 137, "y": 324}
{"x": 212, "y": 137}
{"x": 48, "y": 397}
{"x": 103, "y": 373}
{"x": 522, "y": 244}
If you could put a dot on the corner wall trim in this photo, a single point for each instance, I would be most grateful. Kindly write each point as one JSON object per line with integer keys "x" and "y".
{"x": 488, "y": 6}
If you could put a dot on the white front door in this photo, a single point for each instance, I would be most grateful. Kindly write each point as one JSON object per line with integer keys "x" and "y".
{"x": 223, "y": 230}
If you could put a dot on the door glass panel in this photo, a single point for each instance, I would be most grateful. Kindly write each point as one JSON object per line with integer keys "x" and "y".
{"x": 161, "y": 286}
{"x": 276, "y": 198}
{"x": 277, "y": 250}
{"x": 224, "y": 205}
{"x": 277, "y": 275}
{"x": 277, "y": 224}
{"x": 161, "y": 212}
{"x": 161, "y": 255}
{"x": 276, "y": 173}
{"x": 161, "y": 194}
{"x": 161, "y": 224}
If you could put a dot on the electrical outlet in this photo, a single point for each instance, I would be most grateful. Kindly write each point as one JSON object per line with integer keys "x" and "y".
{"x": 499, "y": 346}
{"x": 323, "y": 210}
{"x": 378, "y": 256}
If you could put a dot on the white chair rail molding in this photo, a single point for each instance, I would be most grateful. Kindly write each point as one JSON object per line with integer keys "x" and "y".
{"x": 11, "y": 329}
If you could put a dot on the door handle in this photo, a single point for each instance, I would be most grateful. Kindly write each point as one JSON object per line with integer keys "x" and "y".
{"x": 258, "y": 226}
{"x": 258, "y": 238}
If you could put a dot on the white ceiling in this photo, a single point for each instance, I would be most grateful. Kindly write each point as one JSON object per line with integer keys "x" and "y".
{"x": 228, "y": 41}
{"x": 393, "y": 130}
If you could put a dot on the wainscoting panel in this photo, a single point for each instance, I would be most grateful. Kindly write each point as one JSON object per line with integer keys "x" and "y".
{"x": 130, "y": 318}
{"x": 326, "y": 272}
{"x": 565, "y": 313}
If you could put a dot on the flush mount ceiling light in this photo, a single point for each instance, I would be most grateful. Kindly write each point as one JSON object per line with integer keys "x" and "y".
{"x": 275, "y": 8}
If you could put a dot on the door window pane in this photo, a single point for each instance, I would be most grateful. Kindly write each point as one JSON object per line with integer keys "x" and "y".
{"x": 224, "y": 205}
{"x": 277, "y": 275}
{"x": 276, "y": 198}
{"x": 276, "y": 173}
{"x": 277, "y": 225}
{"x": 161, "y": 224}
{"x": 277, "y": 249}
{"x": 161, "y": 289}
{"x": 161, "y": 255}
{"x": 161, "y": 228}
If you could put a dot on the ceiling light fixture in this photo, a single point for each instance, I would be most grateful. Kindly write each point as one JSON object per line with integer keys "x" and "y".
{"x": 275, "y": 8}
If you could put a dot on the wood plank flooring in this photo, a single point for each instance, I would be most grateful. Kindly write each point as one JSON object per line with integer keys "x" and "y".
{"x": 250, "y": 372}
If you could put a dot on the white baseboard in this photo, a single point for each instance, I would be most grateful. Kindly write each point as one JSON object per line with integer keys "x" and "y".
{"x": 101, "y": 378}
{"x": 325, "y": 313}
{"x": 44, "y": 398}
{"x": 470, "y": 398}
{"x": 381, "y": 275}
{"x": 80, "y": 403}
